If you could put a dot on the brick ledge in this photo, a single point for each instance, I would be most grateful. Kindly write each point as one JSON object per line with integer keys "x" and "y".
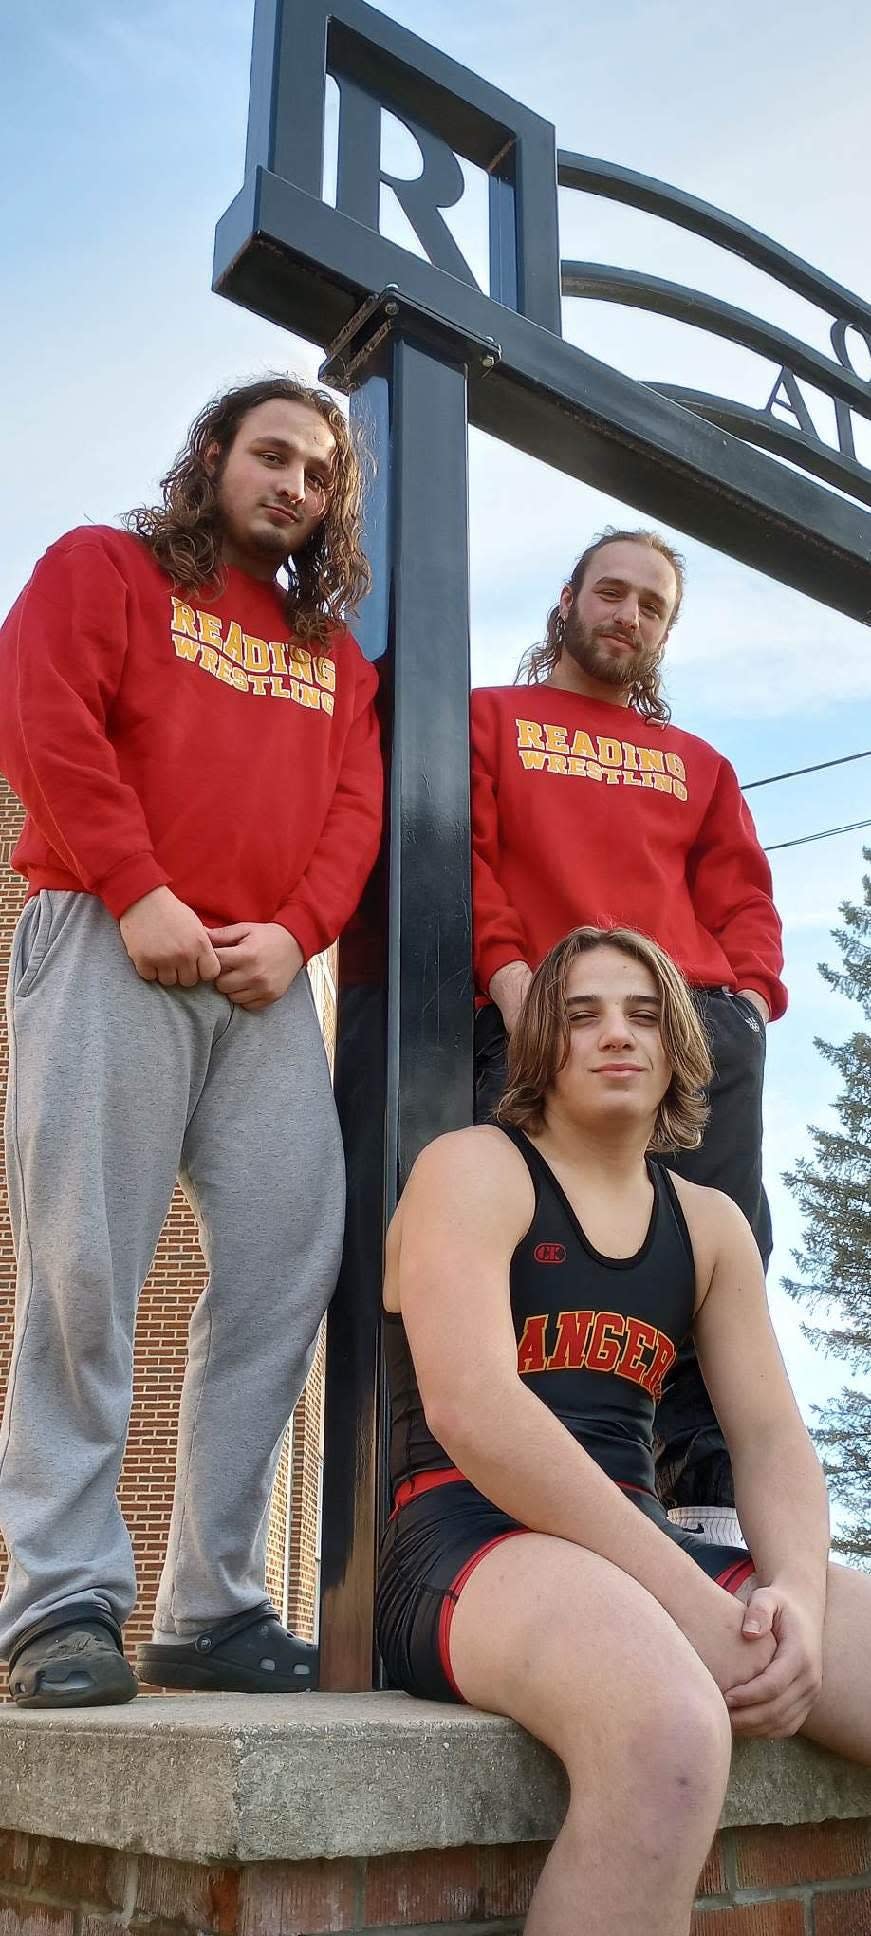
{"x": 259, "y": 1779}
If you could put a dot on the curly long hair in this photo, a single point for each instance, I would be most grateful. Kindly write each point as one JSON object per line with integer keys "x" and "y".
{"x": 540, "y": 1042}
{"x": 328, "y": 577}
{"x": 539, "y": 661}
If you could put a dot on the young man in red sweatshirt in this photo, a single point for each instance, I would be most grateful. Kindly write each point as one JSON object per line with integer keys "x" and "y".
{"x": 196, "y": 748}
{"x": 590, "y": 807}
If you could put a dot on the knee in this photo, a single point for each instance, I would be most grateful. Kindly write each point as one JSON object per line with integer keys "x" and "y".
{"x": 669, "y": 1751}
{"x": 684, "y": 1743}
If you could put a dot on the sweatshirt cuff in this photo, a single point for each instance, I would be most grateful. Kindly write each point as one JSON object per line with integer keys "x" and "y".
{"x": 493, "y": 956}
{"x": 773, "y": 993}
{"x": 128, "y": 882}
{"x": 306, "y": 932}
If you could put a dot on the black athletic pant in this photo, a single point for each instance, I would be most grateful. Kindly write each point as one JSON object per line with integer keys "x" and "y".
{"x": 693, "y": 1467}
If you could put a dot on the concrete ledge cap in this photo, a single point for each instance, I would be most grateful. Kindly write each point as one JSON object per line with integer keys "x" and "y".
{"x": 235, "y": 1778}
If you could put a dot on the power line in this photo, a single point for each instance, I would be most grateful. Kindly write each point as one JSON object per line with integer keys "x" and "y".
{"x": 797, "y": 771}
{"x": 826, "y": 834}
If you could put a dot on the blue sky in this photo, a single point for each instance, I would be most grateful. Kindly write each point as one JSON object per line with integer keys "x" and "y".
{"x": 123, "y": 134}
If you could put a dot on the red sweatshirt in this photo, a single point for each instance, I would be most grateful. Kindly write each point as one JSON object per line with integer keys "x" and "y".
{"x": 587, "y": 812}
{"x": 157, "y": 737}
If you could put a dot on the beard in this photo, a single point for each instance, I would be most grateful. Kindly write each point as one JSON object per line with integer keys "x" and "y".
{"x": 588, "y": 646}
{"x": 252, "y": 532}
{"x": 270, "y": 541}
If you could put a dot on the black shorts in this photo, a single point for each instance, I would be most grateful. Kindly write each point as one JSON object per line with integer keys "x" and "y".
{"x": 432, "y": 1545}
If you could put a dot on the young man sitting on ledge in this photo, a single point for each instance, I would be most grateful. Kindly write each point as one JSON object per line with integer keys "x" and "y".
{"x": 541, "y": 1276}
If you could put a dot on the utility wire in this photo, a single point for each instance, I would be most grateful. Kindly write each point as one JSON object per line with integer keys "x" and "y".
{"x": 826, "y": 834}
{"x": 798, "y": 770}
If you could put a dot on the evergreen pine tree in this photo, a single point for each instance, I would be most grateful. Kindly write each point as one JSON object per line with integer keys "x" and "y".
{"x": 833, "y": 1190}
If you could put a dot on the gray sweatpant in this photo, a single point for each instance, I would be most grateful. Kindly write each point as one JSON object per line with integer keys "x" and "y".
{"x": 116, "y": 1087}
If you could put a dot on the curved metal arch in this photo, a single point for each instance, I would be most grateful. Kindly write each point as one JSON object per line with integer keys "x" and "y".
{"x": 600, "y": 283}
{"x": 759, "y": 427}
{"x": 702, "y": 218}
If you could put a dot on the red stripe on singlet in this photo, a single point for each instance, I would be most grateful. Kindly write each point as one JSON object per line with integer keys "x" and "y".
{"x": 449, "y": 1475}
{"x": 419, "y": 1482}
{"x": 735, "y": 1575}
{"x": 449, "y": 1603}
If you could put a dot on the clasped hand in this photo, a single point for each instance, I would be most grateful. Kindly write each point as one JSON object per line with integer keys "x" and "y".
{"x": 258, "y": 962}
{"x": 778, "y": 1700}
{"x": 251, "y": 962}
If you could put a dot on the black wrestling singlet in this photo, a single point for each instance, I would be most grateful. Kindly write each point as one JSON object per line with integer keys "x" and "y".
{"x": 595, "y": 1335}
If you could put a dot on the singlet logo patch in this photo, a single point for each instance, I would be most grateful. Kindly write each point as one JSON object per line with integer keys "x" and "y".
{"x": 550, "y": 1253}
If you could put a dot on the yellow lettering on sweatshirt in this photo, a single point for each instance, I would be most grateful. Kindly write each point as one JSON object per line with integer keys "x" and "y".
{"x": 259, "y": 668}
{"x": 210, "y": 628}
{"x": 256, "y": 654}
{"x": 183, "y": 619}
{"x": 545, "y": 747}
{"x": 234, "y": 647}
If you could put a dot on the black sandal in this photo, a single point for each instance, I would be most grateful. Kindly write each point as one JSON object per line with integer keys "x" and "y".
{"x": 71, "y": 1659}
{"x": 250, "y": 1653}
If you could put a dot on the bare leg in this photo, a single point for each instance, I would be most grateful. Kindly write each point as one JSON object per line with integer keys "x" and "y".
{"x": 841, "y": 1717}
{"x": 584, "y": 1658}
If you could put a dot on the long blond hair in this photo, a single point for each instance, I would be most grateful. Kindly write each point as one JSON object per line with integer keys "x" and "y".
{"x": 539, "y": 1045}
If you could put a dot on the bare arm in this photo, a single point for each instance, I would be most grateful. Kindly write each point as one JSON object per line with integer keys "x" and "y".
{"x": 779, "y": 1487}
{"x": 780, "y": 1492}
{"x": 508, "y": 989}
{"x": 466, "y": 1206}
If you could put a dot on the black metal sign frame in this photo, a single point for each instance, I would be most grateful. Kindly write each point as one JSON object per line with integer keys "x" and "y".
{"x": 423, "y": 351}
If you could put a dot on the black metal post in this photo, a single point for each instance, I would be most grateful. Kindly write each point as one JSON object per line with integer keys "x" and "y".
{"x": 404, "y": 1058}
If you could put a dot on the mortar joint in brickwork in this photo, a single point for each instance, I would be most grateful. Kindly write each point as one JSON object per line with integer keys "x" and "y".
{"x": 801, "y": 1891}
{"x": 506, "y": 1926}
{"x": 360, "y": 1873}
{"x": 714, "y": 1905}
{"x": 783, "y": 1892}
{"x": 730, "y": 1859}
{"x": 130, "y": 1889}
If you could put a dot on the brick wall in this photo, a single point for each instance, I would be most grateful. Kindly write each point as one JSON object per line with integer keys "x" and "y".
{"x": 276, "y": 1538}
{"x": 307, "y": 1453}
{"x": 804, "y": 1881}
{"x": 174, "y": 1284}
{"x": 11, "y": 903}
{"x": 292, "y": 1568}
